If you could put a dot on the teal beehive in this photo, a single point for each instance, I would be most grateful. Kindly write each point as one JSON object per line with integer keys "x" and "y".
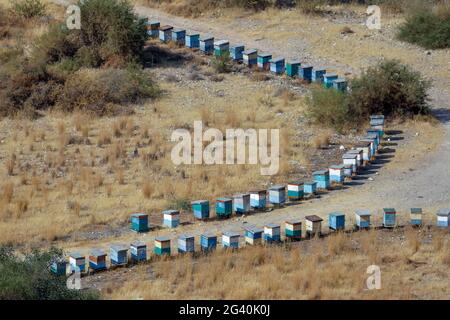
{"x": 416, "y": 216}
{"x": 340, "y": 84}
{"x": 221, "y": 48}
{"x": 292, "y": 68}
{"x": 317, "y": 75}
{"x": 305, "y": 72}
{"x": 322, "y": 178}
{"x": 328, "y": 79}
{"x": 293, "y": 229}
{"x": 200, "y": 208}
{"x": 389, "y": 217}
{"x": 336, "y": 221}
{"x": 162, "y": 246}
{"x": 263, "y": 61}
{"x": 139, "y": 222}
{"x": 224, "y": 207}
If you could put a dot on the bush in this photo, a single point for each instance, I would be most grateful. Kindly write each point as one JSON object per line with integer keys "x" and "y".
{"x": 29, "y": 278}
{"x": 221, "y": 64}
{"x": 28, "y": 8}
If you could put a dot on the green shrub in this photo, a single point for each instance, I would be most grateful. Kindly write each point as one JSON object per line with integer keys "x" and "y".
{"x": 179, "y": 204}
{"x": 28, "y": 8}
{"x": 29, "y": 278}
{"x": 221, "y": 64}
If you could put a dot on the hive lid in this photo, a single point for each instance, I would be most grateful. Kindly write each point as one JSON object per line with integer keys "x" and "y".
{"x": 138, "y": 244}
{"x": 354, "y": 151}
{"x": 139, "y": 214}
{"x": 443, "y": 212}
{"x": 293, "y": 222}
{"x": 310, "y": 182}
{"x": 277, "y": 187}
{"x": 250, "y": 51}
{"x": 376, "y": 116}
{"x": 319, "y": 69}
{"x": 363, "y": 213}
{"x": 349, "y": 156}
{"x": 264, "y": 55}
{"x": 152, "y": 23}
{"x": 178, "y": 30}
{"x": 314, "y": 218}
{"x": 185, "y": 237}
{"x": 209, "y": 235}
{"x": 337, "y": 166}
{"x": 306, "y": 66}
{"x": 272, "y": 225}
{"x": 296, "y": 183}
{"x": 171, "y": 212}
{"x": 199, "y": 201}
{"x": 206, "y": 38}
{"x": 258, "y": 191}
{"x": 276, "y": 60}
{"x": 254, "y": 229}
{"x": 231, "y": 234}
{"x": 97, "y": 252}
{"x": 330, "y": 75}
{"x": 240, "y": 195}
{"x": 224, "y": 199}
{"x": 221, "y": 42}
{"x": 389, "y": 210}
{"x": 238, "y": 46}
{"x": 337, "y": 214}
{"x": 166, "y": 28}
{"x": 294, "y": 62}
{"x": 119, "y": 247}
{"x": 193, "y": 34}
{"x": 416, "y": 210}
{"x": 162, "y": 239}
{"x": 76, "y": 255}
{"x": 320, "y": 172}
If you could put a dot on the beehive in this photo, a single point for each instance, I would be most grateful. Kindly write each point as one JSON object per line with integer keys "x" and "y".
{"x": 305, "y": 72}
{"x": 317, "y": 75}
{"x": 97, "y": 260}
{"x": 118, "y": 254}
{"x": 277, "y": 195}
{"x": 309, "y": 188}
{"x": 171, "y": 218}
{"x": 208, "y": 242}
{"x": 359, "y": 157}
{"x": 340, "y": 84}
{"x": 200, "y": 208}
{"x": 253, "y": 235}
{"x": 237, "y": 52}
{"x": 258, "y": 199}
{"x": 377, "y": 123}
{"x": 348, "y": 170}
{"x": 186, "y": 244}
{"x": 250, "y": 57}
{"x": 442, "y": 216}
{"x": 416, "y": 216}
{"x": 277, "y": 65}
{"x": 389, "y": 217}
{"x": 59, "y": 268}
{"x": 292, "y": 68}
{"x": 192, "y": 40}
{"x": 230, "y": 240}
{"x": 365, "y": 147}
{"x": 207, "y": 44}
{"x": 263, "y": 61}
{"x": 375, "y": 132}
{"x": 336, "y": 221}
{"x": 224, "y": 207}
{"x": 376, "y": 140}
{"x": 313, "y": 225}
{"x": 272, "y": 233}
{"x": 241, "y": 203}
{"x": 221, "y": 48}
{"x": 352, "y": 160}
{"x": 322, "y": 177}
{"x": 165, "y": 33}
{"x": 328, "y": 79}
{"x": 162, "y": 246}
{"x": 77, "y": 262}
{"x": 295, "y": 190}
{"x": 179, "y": 36}
{"x": 153, "y": 29}
{"x": 138, "y": 251}
{"x": 293, "y": 229}
{"x": 337, "y": 174}
{"x": 372, "y": 147}
{"x": 139, "y": 222}
{"x": 362, "y": 219}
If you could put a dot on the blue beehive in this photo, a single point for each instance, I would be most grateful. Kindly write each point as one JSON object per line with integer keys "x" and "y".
{"x": 277, "y": 195}
{"x": 352, "y": 160}
{"x": 277, "y": 65}
{"x": 224, "y": 207}
{"x": 337, "y": 173}
{"x": 305, "y": 72}
{"x": 118, "y": 254}
{"x": 443, "y": 216}
{"x": 376, "y": 132}
{"x": 258, "y": 199}
{"x": 171, "y": 218}
{"x": 272, "y": 233}
{"x": 250, "y": 57}
{"x": 241, "y": 203}
{"x": 200, "y": 208}
{"x": 162, "y": 246}
{"x": 309, "y": 188}
{"x": 416, "y": 216}
{"x": 322, "y": 177}
{"x": 253, "y": 235}
{"x": 340, "y": 84}
{"x": 139, "y": 222}
{"x": 348, "y": 170}
{"x": 77, "y": 262}
{"x": 377, "y": 123}
{"x": 221, "y": 48}
{"x": 179, "y": 36}
{"x": 208, "y": 242}
{"x": 328, "y": 79}
{"x": 230, "y": 240}
{"x": 373, "y": 147}
{"x": 165, "y": 33}
{"x": 292, "y": 68}
{"x": 236, "y": 52}
{"x": 362, "y": 219}
{"x": 207, "y": 44}
{"x": 153, "y": 29}
{"x": 192, "y": 40}
{"x": 263, "y": 61}
{"x": 293, "y": 229}
{"x": 317, "y": 75}
{"x": 389, "y": 215}
{"x": 295, "y": 190}
{"x": 138, "y": 251}
{"x": 97, "y": 260}
{"x": 59, "y": 268}
{"x": 336, "y": 221}
{"x": 375, "y": 137}
{"x": 186, "y": 244}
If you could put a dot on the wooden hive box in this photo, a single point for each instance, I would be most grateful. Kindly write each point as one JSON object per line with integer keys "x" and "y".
{"x": 328, "y": 79}
{"x": 313, "y": 225}
{"x": 317, "y": 75}
{"x": 224, "y": 207}
{"x": 372, "y": 146}
{"x": 118, "y": 254}
{"x": 162, "y": 246}
{"x": 200, "y": 208}
{"x": 207, "y": 44}
{"x": 337, "y": 174}
{"x": 375, "y": 132}
{"x": 241, "y": 203}
{"x": 165, "y": 33}
{"x": 322, "y": 177}
{"x": 272, "y": 233}
{"x": 295, "y": 190}
{"x": 230, "y": 240}
{"x": 416, "y": 216}
{"x": 305, "y": 72}
{"x": 258, "y": 199}
{"x": 336, "y": 221}
{"x": 97, "y": 260}
{"x": 292, "y": 68}
{"x": 222, "y": 48}
{"x": 359, "y": 157}
{"x": 250, "y": 57}
{"x": 362, "y": 219}
{"x": 309, "y": 188}
{"x": 237, "y": 52}
{"x": 389, "y": 217}
{"x": 376, "y": 140}
{"x": 186, "y": 243}
{"x": 365, "y": 147}
{"x": 277, "y": 65}
{"x": 340, "y": 84}
{"x": 352, "y": 160}
{"x": 377, "y": 123}
{"x": 171, "y": 218}
{"x": 59, "y": 267}
{"x": 442, "y": 217}
{"x": 192, "y": 40}
{"x": 348, "y": 171}
{"x": 293, "y": 229}
{"x": 138, "y": 251}
{"x": 263, "y": 61}
{"x": 77, "y": 262}
{"x": 139, "y": 222}
{"x": 153, "y": 29}
{"x": 277, "y": 195}
{"x": 179, "y": 36}
{"x": 208, "y": 242}
{"x": 253, "y": 235}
